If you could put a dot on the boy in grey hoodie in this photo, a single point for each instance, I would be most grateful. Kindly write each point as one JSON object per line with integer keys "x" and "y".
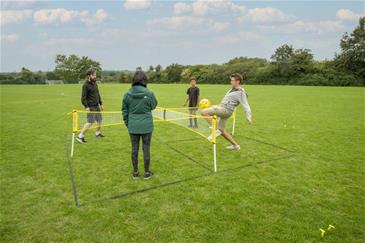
{"x": 235, "y": 96}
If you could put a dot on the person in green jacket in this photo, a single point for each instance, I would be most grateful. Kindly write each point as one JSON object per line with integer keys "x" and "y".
{"x": 137, "y": 105}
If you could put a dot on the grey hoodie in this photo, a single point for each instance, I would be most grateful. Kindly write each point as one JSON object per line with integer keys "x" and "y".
{"x": 233, "y": 98}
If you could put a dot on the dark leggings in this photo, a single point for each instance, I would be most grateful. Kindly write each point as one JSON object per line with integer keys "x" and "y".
{"x": 146, "y": 142}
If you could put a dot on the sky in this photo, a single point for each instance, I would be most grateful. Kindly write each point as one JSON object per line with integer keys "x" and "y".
{"x": 123, "y": 35}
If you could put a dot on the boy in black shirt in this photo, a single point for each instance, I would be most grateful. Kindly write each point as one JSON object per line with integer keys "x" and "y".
{"x": 193, "y": 98}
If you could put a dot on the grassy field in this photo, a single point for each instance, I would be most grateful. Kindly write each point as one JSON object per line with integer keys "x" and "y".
{"x": 301, "y": 168}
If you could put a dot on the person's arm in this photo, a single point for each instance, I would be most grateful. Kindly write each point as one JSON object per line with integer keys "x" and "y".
{"x": 187, "y": 97}
{"x": 153, "y": 101}
{"x": 186, "y": 100}
{"x": 84, "y": 96}
{"x": 246, "y": 107}
{"x": 100, "y": 102}
{"x": 198, "y": 97}
{"x": 125, "y": 110}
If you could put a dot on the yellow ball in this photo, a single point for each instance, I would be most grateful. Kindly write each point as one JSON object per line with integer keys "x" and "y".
{"x": 204, "y": 103}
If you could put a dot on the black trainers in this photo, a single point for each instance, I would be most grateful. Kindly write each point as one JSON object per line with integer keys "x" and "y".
{"x": 148, "y": 175}
{"x": 80, "y": 140}
{"x": 135, "y": 175}
{"x": 99, "y": 135}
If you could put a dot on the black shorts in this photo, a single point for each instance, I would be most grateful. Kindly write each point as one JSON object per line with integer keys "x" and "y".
{"x": 94, "y": 117}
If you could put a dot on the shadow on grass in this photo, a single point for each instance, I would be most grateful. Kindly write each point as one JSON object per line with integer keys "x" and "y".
{"x": 186, "y": 179}
{"x": 201, "y": 164}
{"x": 249, "y": 138}
{"x": 191, "y": 178}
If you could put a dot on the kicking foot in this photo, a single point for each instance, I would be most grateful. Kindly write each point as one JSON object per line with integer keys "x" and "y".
{"x": 217, "y": 133}
{"x": 233, "y": 147}
{"x": 135, "y": 175}
{"x": 80, "y": 140}
{"x": 100, "y": 135}
{"x": 148, "y": 175}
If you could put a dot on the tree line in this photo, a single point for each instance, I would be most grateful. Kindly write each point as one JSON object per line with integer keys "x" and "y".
{"x": 287, "y": 66}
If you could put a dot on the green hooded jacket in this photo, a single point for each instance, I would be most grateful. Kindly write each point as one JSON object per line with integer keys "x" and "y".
{"x": 137, "y": 105}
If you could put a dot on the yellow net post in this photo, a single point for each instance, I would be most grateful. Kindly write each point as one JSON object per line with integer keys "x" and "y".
{"x": 214, "y": 140}
{"x": 75, "y": 117}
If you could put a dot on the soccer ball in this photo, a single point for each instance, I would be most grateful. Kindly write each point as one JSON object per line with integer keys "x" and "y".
{"x": 204, "y": 103}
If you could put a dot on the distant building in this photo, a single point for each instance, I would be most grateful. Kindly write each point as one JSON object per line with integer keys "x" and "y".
{"x": 54, "y": 81}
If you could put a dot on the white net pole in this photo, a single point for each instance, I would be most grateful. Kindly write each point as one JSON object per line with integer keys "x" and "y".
{"x": 215, "y": 157}
{"x": 73, "y": 144}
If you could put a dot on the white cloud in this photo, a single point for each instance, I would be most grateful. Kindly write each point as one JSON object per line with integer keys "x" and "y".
{"x": 219, "y": 26}
{"x": 189, "y": 22}
{"x": 266, "y": 15}
{"x": 137, "y": 4}
{"x": 195, "y": 15}
{"x": 10, "y": 37}
{"x": 47, "y": 16}
{"x": 101, "y": 15}
{"x": 14, "y": 16}
{"x": 239, "y": 37}
{"x": 61, "y": 15}
{"x": 319, "y": 27}
{"x": 182, "y": 8}
{"x": 205, "y": 7}
{"x": 346, "y": 14}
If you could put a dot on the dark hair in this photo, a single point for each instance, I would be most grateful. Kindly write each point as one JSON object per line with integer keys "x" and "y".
{"x": 90, "y": 71}
{"x": 193, "y": 78}
{"x": 139, "y": 78}
{"x": 238, "y": 77}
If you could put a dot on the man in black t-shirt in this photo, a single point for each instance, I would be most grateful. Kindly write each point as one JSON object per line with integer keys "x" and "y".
{"x": 91, "y": 100}
{"x": 193, "y": 98}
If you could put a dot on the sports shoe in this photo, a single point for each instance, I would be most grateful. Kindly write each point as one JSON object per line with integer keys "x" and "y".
{"x": 233, "y": 147}
{"x": 148, "y": 175}
{"x": 135, "y": 175}
{"x": 217, "y": 133}
{"x": 80, "y": 140}
{"x": 100, "y": 135}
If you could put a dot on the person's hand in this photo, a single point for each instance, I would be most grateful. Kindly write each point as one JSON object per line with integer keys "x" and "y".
{"x": 87, "y": 109}
{"x": 249, "y": 120}
{"x": 184, "y": 104}
{"x": 101, "y": 107}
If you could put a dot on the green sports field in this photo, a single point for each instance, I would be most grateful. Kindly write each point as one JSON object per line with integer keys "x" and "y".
{"x": 301, "y": 167}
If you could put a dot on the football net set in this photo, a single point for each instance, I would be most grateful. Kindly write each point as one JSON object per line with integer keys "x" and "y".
{"x": 188, "y": 118}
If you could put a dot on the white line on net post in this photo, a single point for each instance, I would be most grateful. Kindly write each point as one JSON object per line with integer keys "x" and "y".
{"x": 73, "y": 144}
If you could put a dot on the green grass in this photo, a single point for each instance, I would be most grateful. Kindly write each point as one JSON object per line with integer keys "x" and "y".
{"x": 276, "y": 195}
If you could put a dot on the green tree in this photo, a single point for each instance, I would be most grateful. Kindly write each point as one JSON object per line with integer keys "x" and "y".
{"x": 301, "y": 61}
{"x": 283, "y": 53}
{"x": 352, "y": 56}
{"x": 73, "y": 68}
{"x": 25, "y": 76}
{"x": 289, "y": 64}
{"x": 173, "y": 72}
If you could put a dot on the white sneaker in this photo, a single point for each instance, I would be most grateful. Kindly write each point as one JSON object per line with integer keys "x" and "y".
{"x": 217, "y": 133}
{"x": 233, "y": 147}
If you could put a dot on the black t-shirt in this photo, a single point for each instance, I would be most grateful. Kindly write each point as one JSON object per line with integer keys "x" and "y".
{"x": 90, "y": 96}
{"x": 193, "y": 93}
